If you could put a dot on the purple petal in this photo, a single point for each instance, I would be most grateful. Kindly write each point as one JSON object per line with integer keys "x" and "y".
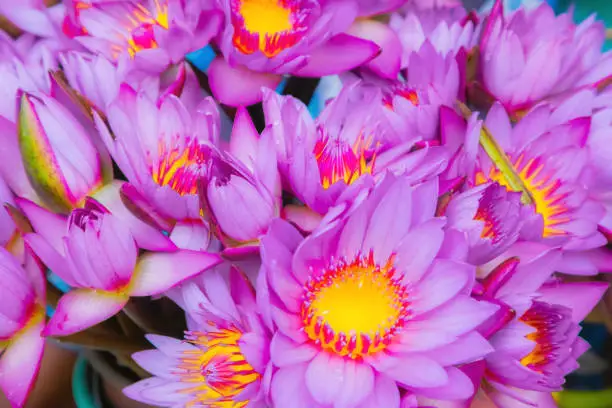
{"x": 325, "y": 377}
{"x": 385, "y": 393}
{"x": 50, "y": 226}
{"x": 80, "y": 309}
{"x": 580, "y": 297}
{"x": 418, "y": 249}
{"x": 387, "y": 63}
{"x": 170, "y": 346}
{"x": 160, "y": 392}
{"x": 238, "y": 86}
{"x": 157, "y": 363}
{"x": 358, "y": 383}
{"x": 466, "y": 349}
{"x": 289, "y": 388}
{"x": 20, "y": 363}
{"x": 256, "y": 350}
{"x": 424, "y": 372}
{"x": 191, "y": 235}
{"x": 445, "y": 279}
{"x": 157, "y": 272}
{"x": 341, "y": 53}
{"x": 458, "y": 387}
{"x": 244, "y": 138}
{"x": 285, "y": 352}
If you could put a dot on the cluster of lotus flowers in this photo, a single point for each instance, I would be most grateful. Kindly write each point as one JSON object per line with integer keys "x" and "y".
{"x": 431, "y": 238}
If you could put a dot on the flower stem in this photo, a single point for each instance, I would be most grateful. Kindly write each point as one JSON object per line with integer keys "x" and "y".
{"x": 499, "y": 158}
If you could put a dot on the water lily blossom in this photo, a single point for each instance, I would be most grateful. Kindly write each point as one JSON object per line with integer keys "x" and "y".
{"x": 154, "y": 33}
{"x": 103, "y": 280}
{"x": 161, "y": 149}
{"x": 370, "y": 292}
{"x": 539, "y": 345}
{"x": 58, "y": 154}
{"x": 242, "y": 197}
{"x": 22, "y": 318}
{"x": 539, "y": 41}
{"x": 224, "y": 358}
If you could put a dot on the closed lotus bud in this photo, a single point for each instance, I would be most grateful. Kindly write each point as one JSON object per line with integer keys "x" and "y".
{"x": 59, "y": 157}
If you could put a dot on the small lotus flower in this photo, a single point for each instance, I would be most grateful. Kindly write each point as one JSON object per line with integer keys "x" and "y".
{"x": 538, "y": 344}
{"x": 309, "y": 38}
{"x": 490, "y": 216}
{"x": 549, "y": 156}
{"x": 102, "y": 279}
{"x": 539, "y": 41}
{"x": 22, "y": 319}
{"x": 161, "y": 148}
{"x": 58, "y": 154}
{"x": 154, "y": 33}
{"x": 224, "y": 358}
{"x": 347, "y": 143}
{"x": 431, "y": 80}
{"x": 242, "y": 197}
{"x": 448, "y": 29}
{"x": 371, "y": 291}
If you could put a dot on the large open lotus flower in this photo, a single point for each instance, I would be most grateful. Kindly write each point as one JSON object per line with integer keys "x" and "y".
{"x": 448, "y": 29}
{"x": 515, "y": 50}
{"x": 310, "y": 38}
{"x": 539, "y": 344}
{"x": 241, "y": 188}
{"x": 22, "y": 319}
{"x": 491, "y": 218}
{"x": 319, "y": 158}
{"x": 155, "y": 33}
{"x": 371, "y": 292}
{"x": 550, "y": 157}
{"x": 224, "y": 359}
{"x": 431, "y": 80}
{"x": 95, "y": 253}
{"x": 161, "y": 150}
{"x": 58, "y": 153}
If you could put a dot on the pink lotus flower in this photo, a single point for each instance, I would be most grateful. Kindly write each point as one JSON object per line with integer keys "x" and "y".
{"x": 224, "y": 359}
{"x": 309, "y": 38}
{"x": 550, "y": 157}
{"x": 58, "y": 153}
{"x": 349, "y": 141}
{"x": 371, "y": 291}
{"x": 517, "y": 49}
{"x": 431, "y": 81}
{"x": 22, "y": 319}
{"x": 539, "y": 344}
{"x": 155, "y": 33}
{"x": 491, "y": 218}
{"x": 105, "y": 278}
{"x": 241, "y": 192}
{"x": 448, "y": 29}
{"x": 162, "y": 150}
{"x": 99, "y": 80}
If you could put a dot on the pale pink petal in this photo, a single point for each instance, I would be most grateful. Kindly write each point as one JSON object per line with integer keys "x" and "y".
{"x": 80, "y": 309}
{"x": 158, "y": 272}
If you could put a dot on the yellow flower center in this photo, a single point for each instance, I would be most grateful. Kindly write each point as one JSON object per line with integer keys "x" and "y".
{"x": 140, "y": 24}
{"x": 218, "y": 370}
{"x": 265, "y": 17}
{"x": 339, "y": 161}
{"x": 354, "y": 309}
{"x": 549, "y": 203}
{"x": 179, "y": 167}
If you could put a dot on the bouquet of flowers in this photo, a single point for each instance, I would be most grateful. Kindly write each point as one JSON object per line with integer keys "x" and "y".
{"x": 304, "y": 203}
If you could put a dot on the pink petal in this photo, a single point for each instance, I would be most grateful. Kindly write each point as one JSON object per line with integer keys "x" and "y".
{"x": 357, "y": 385}
{"x": 80, "y": 309}
{"x": 157, "y": 272}
{"x": 190, "y": 235}
{"x": 20, "y": 363}
{"x": 170, "y": 346}
{"x": 238, "y": 86}
{"x": 159, "y": 392}
{"x": 145, "y": 235}
{"x": 341, "y": 53}
{"x": 385, "y": 393}
{"x": 289, "y": 388}
{"x": 285, "y": 352}
{"x": 418, "y": 249}
{"x": 325, "y": 377}
{"x": 157, "y": 363}
{"x": 445, "y": 279}
{"x": 458, "y": 387}
{"x": 423, "y": 372}
{"x": 580, "y": 297}
{"x": 387, "y": 63}
{"x": 50, "y": 226}
{"x": 244, "y": 138}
